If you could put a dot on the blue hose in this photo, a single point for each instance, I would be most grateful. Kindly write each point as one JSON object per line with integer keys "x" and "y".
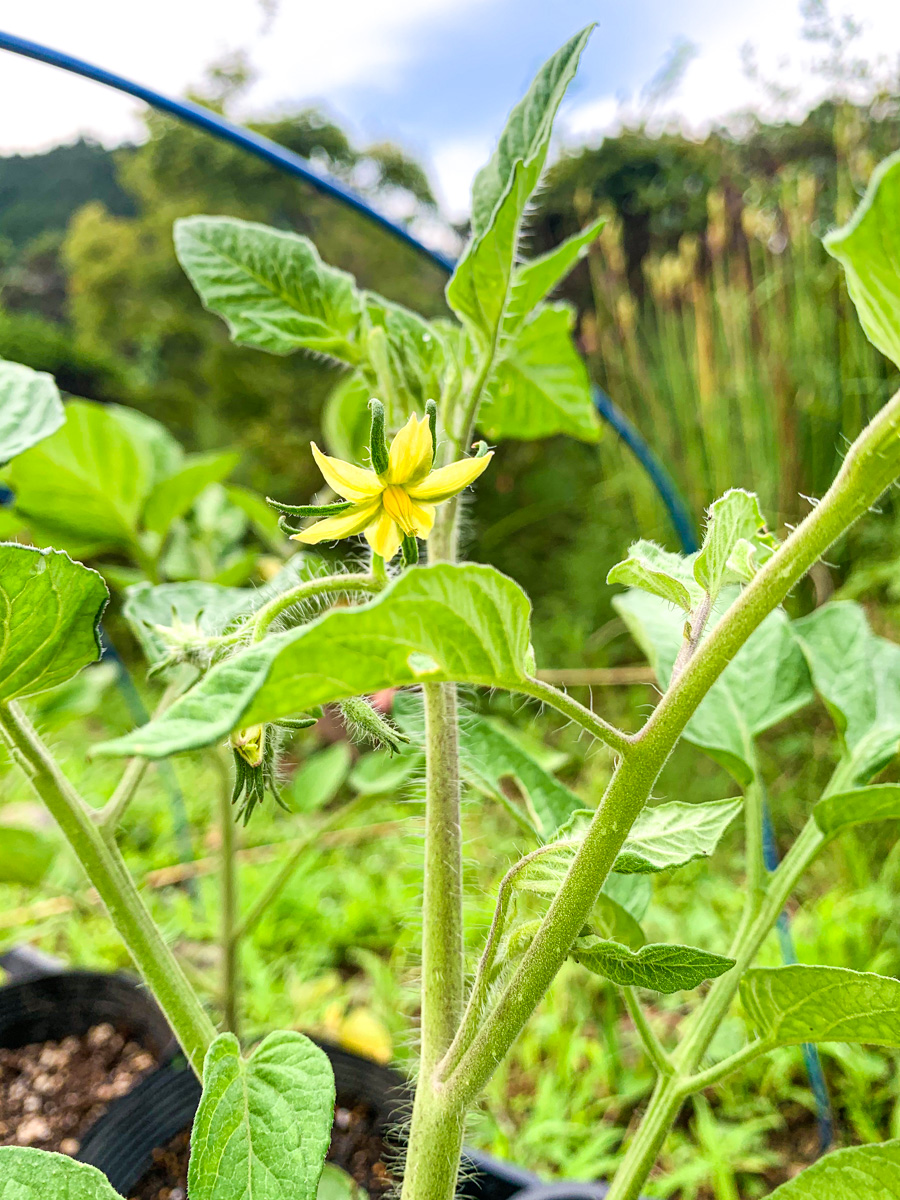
{"x": 300, "y": 168}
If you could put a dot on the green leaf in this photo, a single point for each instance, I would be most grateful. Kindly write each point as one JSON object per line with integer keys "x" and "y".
{"x": 857, "y": 1173}
{"x": 540, "y": 386}
{"x": 526, "y": 136}
{"x": 671, "y": 835}
{"x": 50, "y": 609}
{"x": 158, "y": 613}
{"x": 264, "y": 1123}
{"x": 336, "y": 1184}
{"x": 173, "y": 496}
{"x": 90, "y": 479}
{"x": 27, "y": 1174}
{"x": 270, "y": 287}
{"x": 652, "y": 569}
{"x": 792, "y": 1005}
{"x": 381, "y": 773}
{"x": 534, "y": 280}
{"x": 25, "y": 855}
{"x": 320, "y": 778}
{"x": 480, "y": 288}
{"x": 416, "y": 360}
{"x": 490, "y": 760}
{"x": 346, "y": 418}
{"x": 868, "y": 248}
{"x": 631, "y": 892}
{"x": 30, "y": 408}
{"x": 858, "y": 677}
{"x": 733, "y": 518}
{"x": 659, "y": 967}
{"x": 612, "y": 922}
{"x": 263, "y": 518}
{"x": 459, "y": 623}
{"x": 858, "y": 806}
{"x": 766, "y": 681}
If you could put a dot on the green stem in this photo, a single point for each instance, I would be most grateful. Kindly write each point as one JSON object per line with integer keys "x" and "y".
{"x": 283, "y": 878}
{"x": 309, "y": 590}
{"x": 109, "y": 817}
{"x": 228, "y": 881}
{"x": 654, "y": 1047}
{"x": 721, "y": 1070}
{"x": 106, "y": 870}
{"x": 872, "y": 464}
{"x": 563, "y": 702}
{"x": 644, "y": 1150}
{"x": 442, "y": 932}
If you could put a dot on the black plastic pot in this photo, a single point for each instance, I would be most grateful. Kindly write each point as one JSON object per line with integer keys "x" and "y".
{"x": 51, "y": 1007}
{"x": 122, "y": 1142}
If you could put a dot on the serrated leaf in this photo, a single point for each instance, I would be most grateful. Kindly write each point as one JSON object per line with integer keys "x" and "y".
{"x": 270, "y": 287}
{"x": 792, "y": 1005}
{"x": 25, "y": 855}
{"x": 264, "y": 1123}
{"x": 674, "y": 834}
{"x": 536, "y": 279}
{"x": 857, "y": 1173}
{"x": 526, "y": 136}
{"x": 652, "y": 569}
{"x": 50, "y": 609}
{"x": 174, "y": 495}
{"x": 90, "y": 479}
{"x": 766, "y": 681}
{"x": 733, "y": 518}
{"x": 858, "y": 806}
{"x": 858, "y": 677}
{"x": 27, "y": 1174}
{"x": 489, "y": 757}
{"x": 540, "y": 385}
{"x": 30, "y": 408}
{"x": 868, "y": 248}
{"x": 658, "y": 967}
{"x": 442, "y": 623}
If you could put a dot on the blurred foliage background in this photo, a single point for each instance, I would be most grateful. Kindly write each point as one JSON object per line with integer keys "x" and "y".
{"x": 708, "y": 310}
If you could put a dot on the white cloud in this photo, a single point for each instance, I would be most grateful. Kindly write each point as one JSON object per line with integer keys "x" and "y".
{"x": 310, "y": 50}
{"x": 453, "y": 165}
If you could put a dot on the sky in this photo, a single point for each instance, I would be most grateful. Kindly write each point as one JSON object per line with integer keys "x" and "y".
{"x": 436, "y": 76}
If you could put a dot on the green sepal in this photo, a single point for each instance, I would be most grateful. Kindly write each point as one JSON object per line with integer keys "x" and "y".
{"x": 310, "y": 510}
{"x": 431, "y": 414}
{"x": 370, "y": 726}
{"x": 410, "y": 551}
{"x": 378, "y": 450}
{"x": 481, "y": 449}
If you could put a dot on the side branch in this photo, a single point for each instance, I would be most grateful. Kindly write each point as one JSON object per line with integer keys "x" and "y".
{"x": 615, "y": 738}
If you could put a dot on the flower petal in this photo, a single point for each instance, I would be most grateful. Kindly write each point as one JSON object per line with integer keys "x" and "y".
{"x": 353, "y": 483}
{"x": 384, "y": 536}
{"x": 346, "y": 525}
{"x": 445, "y": 482}
{"x": 411, "y": 453}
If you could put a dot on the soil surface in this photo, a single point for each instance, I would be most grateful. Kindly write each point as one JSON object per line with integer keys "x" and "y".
{"x": 52, "y": 1092}
{"x": 355, "y": 1147}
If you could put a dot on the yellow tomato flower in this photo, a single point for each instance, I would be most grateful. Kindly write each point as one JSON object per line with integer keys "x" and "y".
{"x": 398, "y": 503}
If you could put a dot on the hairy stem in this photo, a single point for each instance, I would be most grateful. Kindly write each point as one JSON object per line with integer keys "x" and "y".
{"x": 106, "y": 870}
{"x": 872, "y": 464}
{"x": 228, "y": 880}
{"x": 309, "y": 590}
{"x": 562, "y": 702}
{"x": 654, "y": 1047}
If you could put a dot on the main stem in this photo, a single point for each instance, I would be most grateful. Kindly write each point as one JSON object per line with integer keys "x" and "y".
{"x": 230, "y": 944}
{"x": 106, "y": 870}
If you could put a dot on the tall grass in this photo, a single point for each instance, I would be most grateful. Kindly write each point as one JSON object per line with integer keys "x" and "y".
{"x": 743, "y": 362}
